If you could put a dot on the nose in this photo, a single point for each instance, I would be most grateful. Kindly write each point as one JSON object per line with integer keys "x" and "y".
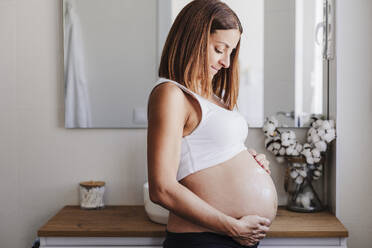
{"x": 225, "y": 61}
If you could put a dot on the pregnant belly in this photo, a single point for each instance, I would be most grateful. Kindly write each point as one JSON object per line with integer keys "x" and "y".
{"x": 236, "y": 187}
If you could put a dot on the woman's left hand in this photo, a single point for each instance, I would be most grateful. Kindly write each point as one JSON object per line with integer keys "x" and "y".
{"x": 261, "y": 160}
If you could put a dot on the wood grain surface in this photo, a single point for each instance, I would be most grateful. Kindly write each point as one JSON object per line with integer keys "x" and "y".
{"x": 132, "y": 221}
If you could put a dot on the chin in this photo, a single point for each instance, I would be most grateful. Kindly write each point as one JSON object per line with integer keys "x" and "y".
{"x": 212, "y": 72}
{"x": 211, "y": 76}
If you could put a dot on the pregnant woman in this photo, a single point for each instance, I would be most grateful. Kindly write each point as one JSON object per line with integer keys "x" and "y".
{"x": 219, "y": 194}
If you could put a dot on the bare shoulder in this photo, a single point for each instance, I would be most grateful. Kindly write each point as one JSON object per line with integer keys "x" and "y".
{"x": 167, "y": 99}
{"x": 167, "y": 91}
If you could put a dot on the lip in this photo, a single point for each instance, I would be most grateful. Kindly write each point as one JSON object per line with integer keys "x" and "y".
{"x": 215, "y": 69}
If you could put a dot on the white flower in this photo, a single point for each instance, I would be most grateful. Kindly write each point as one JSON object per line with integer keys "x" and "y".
{"x": 273, "y": 144}
{"x": 298, "y": 172}
{"x": 274, "y": 121}
{"x": 288, "y": 138}
{"x": 269, "y": 127}
{"x": 303, "y": 172}
{"x": 321, "y": 131}
{"x": 312, "y": 155}
{"x": 289, "y": 150}
{"x": 306, "y": 146}
{"x": 277, "y": 145}
{"x": 326, "y": 125}
{"x": 330, "y": 135}
{"x": 305, "y": 201}
{"x": 298, "y": 147}
{"x": 310, "y": 134}
{"x": 317, "y": 123}
{"x": 295, "y": 153}
{"x": 282, "y": 151}
{"x": 272, "y": 149}
{"x": 283, "y": 143}
{"x": 294, "y": 174}
{"x": 309, "y": 160}
{"x": 321, "y": 146}
{"x": 315, "y": 153}
{"x": 299, "y": 180}
{"x": 316, "y": 174}
{"x": 306, "y": 152}
{"x": 298, "y": 165}
{"x": 315, "y": 138}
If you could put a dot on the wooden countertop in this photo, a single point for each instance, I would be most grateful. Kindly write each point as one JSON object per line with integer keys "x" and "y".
{"x": 132, "y": 221}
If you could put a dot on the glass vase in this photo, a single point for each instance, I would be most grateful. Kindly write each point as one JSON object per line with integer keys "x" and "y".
{"x": 302, "y": 197}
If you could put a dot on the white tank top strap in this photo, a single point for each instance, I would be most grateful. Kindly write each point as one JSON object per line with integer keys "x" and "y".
{"x": 162, "y": 80}
{"x": 202, "y": 102}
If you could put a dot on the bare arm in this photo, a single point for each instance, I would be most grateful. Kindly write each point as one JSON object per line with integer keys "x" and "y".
{"x": 167, "y": 115}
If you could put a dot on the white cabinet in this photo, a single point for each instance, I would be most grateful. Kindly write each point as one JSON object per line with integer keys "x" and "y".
{"x": 129, "y": 242}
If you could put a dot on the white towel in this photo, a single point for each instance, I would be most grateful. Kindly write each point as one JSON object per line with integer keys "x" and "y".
{"x": 77, "y": 104}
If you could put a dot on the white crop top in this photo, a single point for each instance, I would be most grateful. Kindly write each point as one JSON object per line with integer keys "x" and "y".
{"x": 219, "y": 136}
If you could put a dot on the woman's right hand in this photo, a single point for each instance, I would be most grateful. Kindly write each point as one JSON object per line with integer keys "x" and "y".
{"x": 251, "y": 229}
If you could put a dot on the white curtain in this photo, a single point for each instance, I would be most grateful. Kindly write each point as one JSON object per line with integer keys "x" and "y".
{"x": 77, "y": 104}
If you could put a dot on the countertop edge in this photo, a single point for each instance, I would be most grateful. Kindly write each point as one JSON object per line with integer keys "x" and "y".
{"x": 151, "y": 229}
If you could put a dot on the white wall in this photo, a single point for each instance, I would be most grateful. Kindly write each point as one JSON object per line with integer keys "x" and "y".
{"x": 354, "y": 117}
{"x": 41, "y": 162}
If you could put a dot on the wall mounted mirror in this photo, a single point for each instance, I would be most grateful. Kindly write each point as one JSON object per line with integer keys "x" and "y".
{"x": 112, "y": 50}
{"x": 110, "y": 62}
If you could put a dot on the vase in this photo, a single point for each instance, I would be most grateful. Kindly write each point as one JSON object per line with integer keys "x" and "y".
{"x": 302, "y": 197}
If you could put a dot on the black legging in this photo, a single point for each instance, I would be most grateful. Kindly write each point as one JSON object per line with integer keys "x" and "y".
{"x": 200, "y": 240}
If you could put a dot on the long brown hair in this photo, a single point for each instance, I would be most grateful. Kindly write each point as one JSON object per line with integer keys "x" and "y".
{"x": 185, "y": 58}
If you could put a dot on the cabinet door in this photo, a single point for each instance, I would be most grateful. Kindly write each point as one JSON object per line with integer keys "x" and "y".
{"x": 303, "y": 242}
{"x": 142, "y": 246}
{"x": 312, "y": 246}
{"x": 101, "y": 246}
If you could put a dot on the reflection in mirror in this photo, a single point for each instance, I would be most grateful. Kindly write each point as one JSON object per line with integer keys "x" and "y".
{"x": 281, "y": 65}
{"x": 110, "y": 65}
{"x": 112, "y": 51}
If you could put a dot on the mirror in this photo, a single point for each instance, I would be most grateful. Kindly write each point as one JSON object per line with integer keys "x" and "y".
{"x": 110, "y": 72}
{"x": 110, "y": 62}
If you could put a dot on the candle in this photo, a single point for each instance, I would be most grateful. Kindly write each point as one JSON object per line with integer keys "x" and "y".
{"x": 91, "y": 194}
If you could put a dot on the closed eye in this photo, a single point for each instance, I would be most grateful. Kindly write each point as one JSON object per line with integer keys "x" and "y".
{"x": 218, "y": 51}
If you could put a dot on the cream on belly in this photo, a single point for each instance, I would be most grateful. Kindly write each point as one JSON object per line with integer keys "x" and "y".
{"x": 237, "y": 187}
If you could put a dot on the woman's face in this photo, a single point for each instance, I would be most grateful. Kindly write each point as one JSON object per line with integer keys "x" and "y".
{"x": 221, "y": 44}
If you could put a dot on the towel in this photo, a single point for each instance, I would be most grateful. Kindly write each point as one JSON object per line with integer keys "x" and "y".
{"x": 77, "y": 104}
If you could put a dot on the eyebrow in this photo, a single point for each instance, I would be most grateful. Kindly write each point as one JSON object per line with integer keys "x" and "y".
{"x": 227, "y": 45}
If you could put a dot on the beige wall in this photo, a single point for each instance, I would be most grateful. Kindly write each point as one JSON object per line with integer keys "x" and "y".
{"x": 41, "y": 162}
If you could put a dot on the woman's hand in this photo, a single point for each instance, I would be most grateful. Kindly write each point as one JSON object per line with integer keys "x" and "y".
{"x": 251, "y": 228}
{"x": 261, "y": 160}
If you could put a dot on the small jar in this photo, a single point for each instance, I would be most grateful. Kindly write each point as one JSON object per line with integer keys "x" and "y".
{"x": 91, "y": 194}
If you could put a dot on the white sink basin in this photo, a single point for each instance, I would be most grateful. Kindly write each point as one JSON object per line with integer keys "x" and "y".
{"x": 155, "y": 212}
